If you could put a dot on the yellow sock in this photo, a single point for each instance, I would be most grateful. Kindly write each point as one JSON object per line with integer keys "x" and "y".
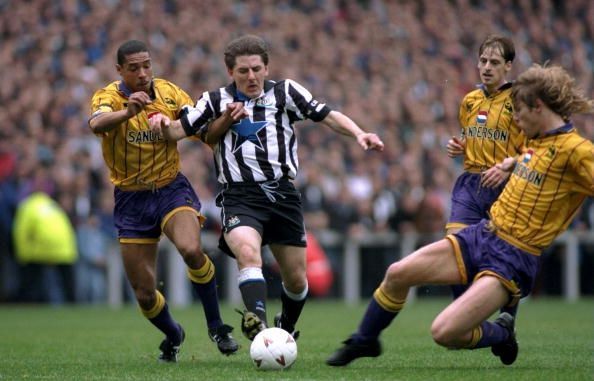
{"x": 154, "y": 311}
{"x": 204, "y": 274}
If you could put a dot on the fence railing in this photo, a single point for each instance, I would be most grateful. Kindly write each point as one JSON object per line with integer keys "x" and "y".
{"x": 178, "y": 287}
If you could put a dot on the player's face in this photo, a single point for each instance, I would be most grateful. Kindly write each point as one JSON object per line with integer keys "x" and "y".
{"x": 528, "y": 119}
{"x": 137, "y": 72}
{"x": 249, "y": 74}
{"x": 493, "y": 68}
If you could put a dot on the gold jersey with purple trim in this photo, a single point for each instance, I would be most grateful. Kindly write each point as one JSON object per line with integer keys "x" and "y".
{"x": 137, "y": 158}
{"x": 487, "y": 124}
{"x": 551, "y": 179}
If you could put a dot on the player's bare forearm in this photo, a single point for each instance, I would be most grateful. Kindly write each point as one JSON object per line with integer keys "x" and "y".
{"x": 342, "y": 124}
{"x": 107, "y": 121}
{"x": 232, "y": 114}
{"x": 346, "y": 126}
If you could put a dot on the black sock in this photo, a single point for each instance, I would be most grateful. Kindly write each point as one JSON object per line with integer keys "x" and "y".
{"x": 291, "y": 309}
{"x": 254, "y": 297}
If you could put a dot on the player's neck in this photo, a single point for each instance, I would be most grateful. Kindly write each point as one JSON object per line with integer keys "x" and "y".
{"x": 493, "y": 88}
{"x": 551, "y": 122}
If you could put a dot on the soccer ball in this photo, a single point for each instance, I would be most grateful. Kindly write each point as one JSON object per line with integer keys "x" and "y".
{"x": 273, "y": 349}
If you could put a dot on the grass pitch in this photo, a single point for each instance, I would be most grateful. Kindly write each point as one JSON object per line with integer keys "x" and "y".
{"x": 98, "y": 343}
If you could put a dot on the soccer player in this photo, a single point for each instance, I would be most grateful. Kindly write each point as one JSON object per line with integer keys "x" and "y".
{"x": 500, "y": 258}
{"x": 151, "y": 195}
{"x": 488, "y": 136}
{"x": 256, "y": 160}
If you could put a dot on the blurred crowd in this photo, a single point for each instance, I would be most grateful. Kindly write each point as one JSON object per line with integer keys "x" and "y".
{"x": 397, "y": 67}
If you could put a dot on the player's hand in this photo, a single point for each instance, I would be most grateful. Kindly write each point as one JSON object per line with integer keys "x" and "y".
{"x": 456, "y": 147}
{"x": 369, "y": 140}
{"x": 493, "y": 177}
{"x": 235, "y": 111}
{"x": 136, "y": 103}
{"x": 498, "y": 174}
{"x": 159, "y": 123}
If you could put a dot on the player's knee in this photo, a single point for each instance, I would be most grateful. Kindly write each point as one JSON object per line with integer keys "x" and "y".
{"x": 395, "y": 275}
{"x": 295, "y": 284}
{"x": 247, "y": 255}
{"x": 190, "y": 251}
{"x": 442, "y": 334}
{"x": 146, "y": 297}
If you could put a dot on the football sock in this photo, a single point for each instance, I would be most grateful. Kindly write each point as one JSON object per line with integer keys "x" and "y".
{"x": 488, "y": 334}
{"x": 292, "y": 305}
{"x": 205, "y": 284}
{"x": 382, "y": 309}
{"x": 160, "y": 317}
{"x": 253, "y": 291}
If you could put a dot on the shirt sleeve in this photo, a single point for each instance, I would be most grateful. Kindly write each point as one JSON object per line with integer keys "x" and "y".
{"x": 195, "y": 119}
{"x": 300, "y": 100}
{"x": 584, "y": 168}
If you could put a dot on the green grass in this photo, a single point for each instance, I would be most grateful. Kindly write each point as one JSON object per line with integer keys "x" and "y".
{"x": 98, "y": 343}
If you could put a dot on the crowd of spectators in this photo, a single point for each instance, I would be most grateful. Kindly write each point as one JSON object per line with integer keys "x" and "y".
{"x": 397, "y": 67}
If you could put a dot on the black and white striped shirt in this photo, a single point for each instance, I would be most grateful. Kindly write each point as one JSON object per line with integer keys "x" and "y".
{"x": 262, "y": 146}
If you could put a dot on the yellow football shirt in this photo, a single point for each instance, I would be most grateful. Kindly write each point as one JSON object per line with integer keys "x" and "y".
{"x": 138, "y": 159}
{"x": 551, "y": 179}
{"x": 487, "y": 124}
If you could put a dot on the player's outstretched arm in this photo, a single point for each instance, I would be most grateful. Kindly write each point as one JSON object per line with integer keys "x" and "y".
{"x": 107, "y": 121}
{"x": 346, "y": 126}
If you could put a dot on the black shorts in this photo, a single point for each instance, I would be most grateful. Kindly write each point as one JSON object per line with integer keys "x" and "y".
{"x": 272, "y": 208}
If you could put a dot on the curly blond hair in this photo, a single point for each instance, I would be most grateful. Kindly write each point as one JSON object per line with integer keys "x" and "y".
{"x": 554, "y": 87}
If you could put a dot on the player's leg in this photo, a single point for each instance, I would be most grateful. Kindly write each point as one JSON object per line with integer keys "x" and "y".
{"x": 292, "y": 264}
{"x": 463, "y": 324}
{"x": 140, "y": 266}
{"x": 457, "y": 289}
{"x": 245, "y": 243}
{"x": 182, "y": 227}
{"x": 431, "y": 264}
{"x": 286, "y": 233}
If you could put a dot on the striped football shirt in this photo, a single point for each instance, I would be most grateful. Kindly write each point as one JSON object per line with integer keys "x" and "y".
{"x": 262, "y": 146}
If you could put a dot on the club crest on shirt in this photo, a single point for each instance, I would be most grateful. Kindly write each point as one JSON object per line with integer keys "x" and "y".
{"x": 264, "y": 102}
{"x": 247, "y": 131}
{"x": 508, "y": 107}
{"x": 481, "y": 118}
{"x": 232, "y": 221}
{"x": 170, "y": 103}
{"x": 551, "y": 151}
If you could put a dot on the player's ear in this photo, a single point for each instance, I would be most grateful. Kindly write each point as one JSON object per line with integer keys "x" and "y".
{"x": 508, "y": 66}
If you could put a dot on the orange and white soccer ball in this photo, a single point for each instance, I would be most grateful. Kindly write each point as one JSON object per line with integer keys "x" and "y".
{"x": 273, "y": 349}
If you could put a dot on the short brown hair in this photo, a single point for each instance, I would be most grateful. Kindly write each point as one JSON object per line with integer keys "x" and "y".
{"x": 506, "y": 45}
{"x": 246, "y": 45}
